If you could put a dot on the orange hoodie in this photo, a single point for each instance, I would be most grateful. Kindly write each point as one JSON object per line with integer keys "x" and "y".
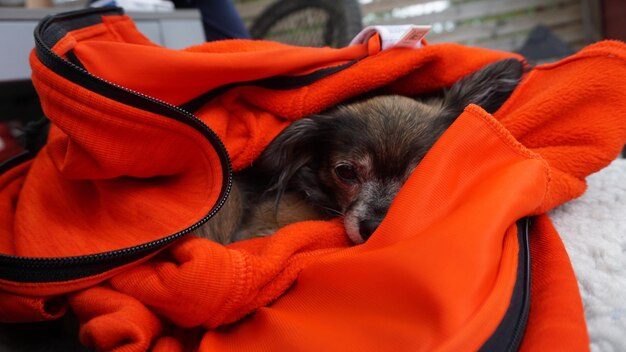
{"x": 96, "y": 222}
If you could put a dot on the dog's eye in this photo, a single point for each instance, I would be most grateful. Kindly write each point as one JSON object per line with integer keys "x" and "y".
{"x": 346, "y": 172}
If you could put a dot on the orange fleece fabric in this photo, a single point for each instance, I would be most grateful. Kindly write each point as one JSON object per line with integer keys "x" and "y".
{"x": 437, "y": 274}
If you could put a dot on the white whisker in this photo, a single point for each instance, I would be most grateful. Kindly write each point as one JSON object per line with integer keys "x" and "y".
{"x": 334, "y": 211}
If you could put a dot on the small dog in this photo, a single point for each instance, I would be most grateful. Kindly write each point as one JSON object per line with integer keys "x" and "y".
{"x": 352, "y": 160}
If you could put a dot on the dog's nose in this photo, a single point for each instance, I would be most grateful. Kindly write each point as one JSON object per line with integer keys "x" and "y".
{"x": 367, "y": 227}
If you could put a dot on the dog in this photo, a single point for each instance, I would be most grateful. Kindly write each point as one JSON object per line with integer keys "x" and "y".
{"x": 351, "y": 160}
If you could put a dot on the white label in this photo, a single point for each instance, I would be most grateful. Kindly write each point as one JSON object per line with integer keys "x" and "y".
{"x": 409, "y": 36}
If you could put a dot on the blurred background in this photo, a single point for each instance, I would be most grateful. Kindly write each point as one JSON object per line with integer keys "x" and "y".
{"x": 497, "y": 24}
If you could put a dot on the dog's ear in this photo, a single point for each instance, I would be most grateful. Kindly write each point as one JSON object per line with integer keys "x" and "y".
{"x": 294, "y": 148}
{"x": 488, "y": 88}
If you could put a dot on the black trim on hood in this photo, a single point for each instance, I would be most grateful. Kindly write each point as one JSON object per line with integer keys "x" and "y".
{"x": 508, "y": 336}
{"x": 275, "y": 83}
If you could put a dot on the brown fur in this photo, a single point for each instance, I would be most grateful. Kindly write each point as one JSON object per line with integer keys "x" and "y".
{"x": 264, "y": 219}
{"x": 233, "y": 223}
{"x": 223, "y": 226}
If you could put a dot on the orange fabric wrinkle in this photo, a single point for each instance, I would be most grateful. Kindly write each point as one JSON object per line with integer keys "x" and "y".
{"x": 112, "y": 321}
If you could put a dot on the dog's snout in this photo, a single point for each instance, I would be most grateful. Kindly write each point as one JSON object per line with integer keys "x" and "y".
{"x": 367, "y": 227}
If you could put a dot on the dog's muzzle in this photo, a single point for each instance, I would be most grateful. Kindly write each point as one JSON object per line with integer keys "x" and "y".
{"x": 367, "y": 227}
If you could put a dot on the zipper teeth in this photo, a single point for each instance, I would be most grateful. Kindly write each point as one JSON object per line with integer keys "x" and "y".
{"x": 517, "y": 336}
{"x": 43, "y": 262}
{"x": 38, "y": 262}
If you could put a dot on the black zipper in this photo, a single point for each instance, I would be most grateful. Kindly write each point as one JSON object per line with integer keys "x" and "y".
{"x": 275, "y": 83}
{"x": 29, "y": 269}
{"x": 510, "y": 332}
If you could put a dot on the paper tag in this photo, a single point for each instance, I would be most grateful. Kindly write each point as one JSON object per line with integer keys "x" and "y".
{"x": 408, "y": 36}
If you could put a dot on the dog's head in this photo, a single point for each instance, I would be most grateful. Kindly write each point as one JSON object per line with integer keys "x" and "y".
{"x": 353, "y": 159}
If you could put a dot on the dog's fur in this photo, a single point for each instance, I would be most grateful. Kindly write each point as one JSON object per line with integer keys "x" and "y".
{"x": 352, "y": 160}
{"x": 251, "y": 213}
